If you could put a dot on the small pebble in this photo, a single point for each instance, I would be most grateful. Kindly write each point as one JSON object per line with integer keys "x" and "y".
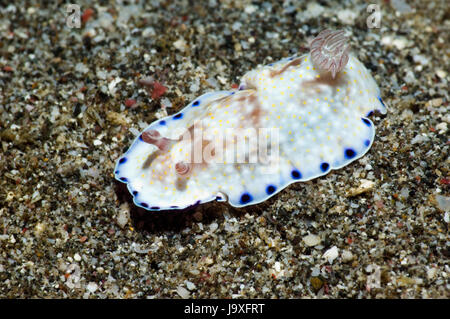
{"x": 180, "y": 44}
{"x": 331, "y": 254}
{"x": 183, "y": 292}
{"x": 346, "y": 256}
{"x": 124, "y": 215}
{"x": 347, "y": 16}
{"x": 441, "y": 73}
{"x": 158, "y": 90}
{"x": 190, "y": 285}
{"x": 443, "y": 203}
{"x": 87, "y": 14}
{"x": 312, "y": 240}
{"x": 92, "y": 287}
{"x": 431, "y": 273}
{"x": 146, "y": 81}
{"x": 130, "y": 102}
{"x": 165, "y": 102}
{"x": 442, "y": 127}
{"x": 316, "y": 283}
{"x": 39, "y": 229}
{"x": 435, "y": 102}
{"x": 364, "y": 187}
{"x": 401, "y": 6}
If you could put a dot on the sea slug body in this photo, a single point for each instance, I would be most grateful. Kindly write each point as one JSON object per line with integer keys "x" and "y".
{"x": 290, "y": 121}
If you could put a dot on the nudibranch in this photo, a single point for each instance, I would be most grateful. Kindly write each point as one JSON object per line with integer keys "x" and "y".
{"x": 289, "y": 121}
